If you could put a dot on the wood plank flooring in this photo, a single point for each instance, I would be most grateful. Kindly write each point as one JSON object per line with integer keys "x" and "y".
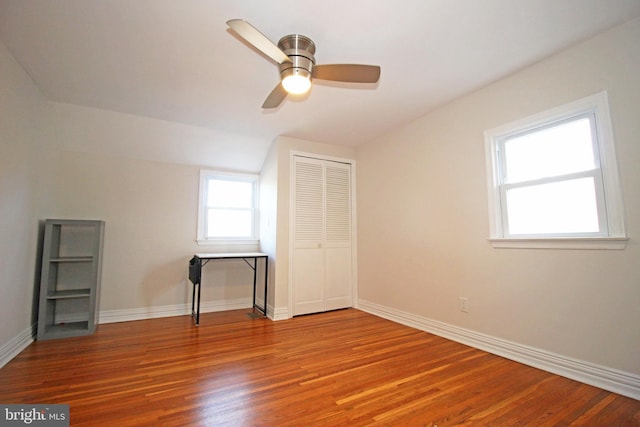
{"x": 342, "y": 368}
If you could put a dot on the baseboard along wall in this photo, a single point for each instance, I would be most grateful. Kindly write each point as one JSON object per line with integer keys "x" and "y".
{"x": 621, "y": 382}
{"x": 112, "y": 316}
{"x": 14, "y": 346}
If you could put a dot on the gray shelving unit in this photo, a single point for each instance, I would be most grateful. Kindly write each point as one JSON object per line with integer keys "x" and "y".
{"x": 70, "y": 278}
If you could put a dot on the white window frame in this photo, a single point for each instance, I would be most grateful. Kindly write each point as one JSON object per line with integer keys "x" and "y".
{"x": 611, "y": 211}
{"x": 205, "y": 176}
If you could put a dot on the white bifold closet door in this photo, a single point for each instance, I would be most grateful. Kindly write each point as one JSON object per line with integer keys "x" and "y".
{"x": 322, "y": 240}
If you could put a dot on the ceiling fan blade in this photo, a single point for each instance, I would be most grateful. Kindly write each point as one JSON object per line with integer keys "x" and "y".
{"x": 258, "y": 40}
{"x": 352, "y": 73}
{"x": 275, "y": 98}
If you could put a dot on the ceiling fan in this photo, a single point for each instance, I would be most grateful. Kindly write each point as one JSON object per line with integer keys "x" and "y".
{"x": 294, "y": 54}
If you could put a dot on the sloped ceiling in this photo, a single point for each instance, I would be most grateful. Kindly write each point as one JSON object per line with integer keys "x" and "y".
{"x": 178, "y": 61}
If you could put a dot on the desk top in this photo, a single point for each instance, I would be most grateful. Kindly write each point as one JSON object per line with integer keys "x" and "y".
{"x": 231, "y": 255}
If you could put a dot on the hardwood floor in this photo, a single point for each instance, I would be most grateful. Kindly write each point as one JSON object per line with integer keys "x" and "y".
{"x": 342, "y": 368}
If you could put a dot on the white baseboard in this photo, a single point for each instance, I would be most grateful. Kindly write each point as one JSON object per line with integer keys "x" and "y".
{"x": 125, "y": 315}
{"x": 15, "y": 345}
{"x": 280, "y": 313}
{"x": 621, "y": 382}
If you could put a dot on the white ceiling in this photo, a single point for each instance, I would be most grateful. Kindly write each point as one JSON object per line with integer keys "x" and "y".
{"x": 177, "y": 60}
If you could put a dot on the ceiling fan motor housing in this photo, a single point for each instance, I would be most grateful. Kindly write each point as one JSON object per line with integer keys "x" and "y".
{"x": 300, "y": 50}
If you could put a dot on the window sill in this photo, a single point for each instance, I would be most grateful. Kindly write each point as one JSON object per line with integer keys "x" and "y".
{"x": 611, "y": 243}
{"x": 209, "y": 242}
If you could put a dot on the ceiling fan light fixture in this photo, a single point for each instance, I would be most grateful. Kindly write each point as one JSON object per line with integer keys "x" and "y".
{"x": 296, "y": 80}
{"x": 294, "y": 55}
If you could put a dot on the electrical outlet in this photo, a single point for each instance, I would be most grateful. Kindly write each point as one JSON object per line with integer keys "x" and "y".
{"x": 464, "y": 304}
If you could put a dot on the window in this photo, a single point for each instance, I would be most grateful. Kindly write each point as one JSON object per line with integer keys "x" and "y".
{"x": 228, "y": 208}
{"x": 553, "y": 180}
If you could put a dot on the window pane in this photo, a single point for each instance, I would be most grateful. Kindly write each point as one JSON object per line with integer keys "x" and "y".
{"x": 228, "y": 223}
{"x": 559, "y": 207}
{"x": 230, "y": 194}
{"x": 553, "y": 151}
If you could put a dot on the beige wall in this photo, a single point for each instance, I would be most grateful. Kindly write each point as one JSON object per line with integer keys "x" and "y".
{"x": 423, "y": 217}
{"x": 150, "y": 209}
{"x": 111, "y": 133}
{"x": 23, "y": 197}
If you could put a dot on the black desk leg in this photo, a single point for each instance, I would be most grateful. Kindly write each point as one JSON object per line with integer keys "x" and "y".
{"x": 195, "y": 274}
{"x": 198, "y": 309}
{"x": 266, "y": 276}
{"x": 255, "y": 272}
{"x": 263, "y": 309}
{"x": 195, "y": 309}
{"x": 193, "y": 301}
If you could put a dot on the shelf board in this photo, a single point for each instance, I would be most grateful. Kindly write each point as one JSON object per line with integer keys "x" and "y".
{"x": 72, "y": 259}
{"x": 61, "y": 330}
{"x": 69, "y": 293}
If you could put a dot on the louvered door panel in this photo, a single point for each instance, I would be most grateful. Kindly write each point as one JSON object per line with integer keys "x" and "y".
{"x": 338, "y": 202}
{"x": 337, "y": 243}
{"x": 321, "y": 258}
{"x": 308, "y": 202}
{"x": 307, "y": 268}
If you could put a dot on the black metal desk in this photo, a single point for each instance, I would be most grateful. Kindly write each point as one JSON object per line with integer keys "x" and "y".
{"x": 195, "y": 275}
